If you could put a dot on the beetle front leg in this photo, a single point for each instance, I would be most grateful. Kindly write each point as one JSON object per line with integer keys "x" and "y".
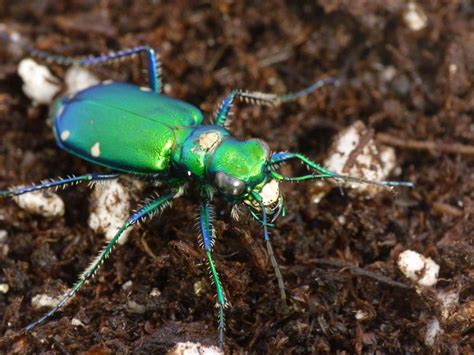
{"x": 207, "y": 235}
{"x": 55, "y": 184}
{"x": 147, "y": 210}
{"x": 265, "y": 99}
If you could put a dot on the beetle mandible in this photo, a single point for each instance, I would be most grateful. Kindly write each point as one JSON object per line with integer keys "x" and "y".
{"x": 141, "y": 132}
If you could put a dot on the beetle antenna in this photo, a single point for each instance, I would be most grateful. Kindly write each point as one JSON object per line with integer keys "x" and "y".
{"x": 323, "y": 173}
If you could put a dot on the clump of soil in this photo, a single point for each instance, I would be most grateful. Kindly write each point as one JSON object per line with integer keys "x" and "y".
{"x": 406, "y": 71}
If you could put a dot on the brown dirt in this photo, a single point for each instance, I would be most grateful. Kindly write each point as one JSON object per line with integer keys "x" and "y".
{"x": 332, "y": 265}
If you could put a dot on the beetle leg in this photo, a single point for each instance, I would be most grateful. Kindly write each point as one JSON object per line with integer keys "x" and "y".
{"x": 147, "y": 210}
{"x": 207, "y": 235}
{"x": 264, "y": 99}
{"x": 58, "y": 183}
{"x": 154, "y": 65}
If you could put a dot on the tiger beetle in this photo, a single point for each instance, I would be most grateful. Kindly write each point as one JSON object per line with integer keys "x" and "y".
{"x": 141, "y": 132}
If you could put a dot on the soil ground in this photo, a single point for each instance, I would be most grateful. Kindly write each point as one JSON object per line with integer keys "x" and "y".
{"x": 338, "y": 257}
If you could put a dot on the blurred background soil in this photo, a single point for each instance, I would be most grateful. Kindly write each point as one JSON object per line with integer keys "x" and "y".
{"x": 406, "y": 70}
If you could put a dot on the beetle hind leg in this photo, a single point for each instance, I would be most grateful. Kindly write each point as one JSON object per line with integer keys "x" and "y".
{"x": 149, "y": 209}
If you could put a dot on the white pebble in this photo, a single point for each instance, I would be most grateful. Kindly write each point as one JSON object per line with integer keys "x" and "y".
{"x": 190, "y": 348}
{"x": 45, "y": 203}
{"x": 43, "y": 300}
{"x": 423, "y": 271}
{"x": 3, "y": 236}
{"x": 39, "y": 84}
{"x": 449, "y": 302}
{"x": 155, "y": 293}
{"x": 414, "y": 17}
{"x": 361, "y": 315}
{"x": 4, "y": 288}
{"x": 127, "y": 285}
{"x": 372, "y": 162}
{"x": 110, "y": 207}
{"x": 432, "y": 330}
{"x": 76, "y": 322}
{"x": 78, "y": 78}
{"x": 136, "y": 308}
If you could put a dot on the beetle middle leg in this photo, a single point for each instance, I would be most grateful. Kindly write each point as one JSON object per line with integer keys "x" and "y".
{"x": 149, "y": 209}
{"x": 153, "y": 63}
{"x": 207, "y": 235}
{"x": 264, "y": 99}
{"x": 55, "y": 184}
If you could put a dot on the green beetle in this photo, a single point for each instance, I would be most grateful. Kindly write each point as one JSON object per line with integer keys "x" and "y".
{"x": 141, "y": 132}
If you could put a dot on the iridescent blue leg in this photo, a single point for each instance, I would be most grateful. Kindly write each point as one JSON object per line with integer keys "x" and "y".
{"x": 323, "y": 173}
{"x": 58, "y": 183}
{"x": 207, "y": 235}
{"x": 260, "y": 98}
{"x": 147, "y": 210}
{"x": 154, "y": 65}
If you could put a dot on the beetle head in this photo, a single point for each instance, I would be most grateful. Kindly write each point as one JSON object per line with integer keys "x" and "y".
{"x": 238, "y": 170}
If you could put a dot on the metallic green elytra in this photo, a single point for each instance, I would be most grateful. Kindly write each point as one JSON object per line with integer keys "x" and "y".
{"x": 141, "y": 132}
{"x": 122, "y": 126}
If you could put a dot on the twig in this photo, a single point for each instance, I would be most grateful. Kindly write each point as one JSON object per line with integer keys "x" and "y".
{"x": 453, "y": 148}
{"x": 445, "y": 208}
{"x": 362, "y": 272}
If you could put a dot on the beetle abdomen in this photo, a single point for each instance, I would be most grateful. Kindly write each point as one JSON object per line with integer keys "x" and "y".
{"x": 122, "y": 127}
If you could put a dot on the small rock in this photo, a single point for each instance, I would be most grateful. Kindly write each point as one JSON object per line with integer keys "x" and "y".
{"x": 39, "y": 84}
{"x": 134, "y": 307}
{"x": 76, "y": 322}
{"x": 3, "y": 236}
{"x": 190, "y": 348}
{"x": 432, "y": 330}
{"x": 423, "y": 271}
{"x": 45, "y": 203}
{"x": 4, "y": 288}
{"x": 127, "y": 285}
{"x": 361, "y": 315}
{"x": 414, "y": 17}
{"x": 155, "y": 293}
{"x": 354, "y": 152}
{"x": 43, "y": 300}
{"x": 78, "y": 78}
{"x": 110, "y": 207}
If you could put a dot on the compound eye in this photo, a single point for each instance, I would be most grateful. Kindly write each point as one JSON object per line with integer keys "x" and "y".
{"x": 229, "y": 185}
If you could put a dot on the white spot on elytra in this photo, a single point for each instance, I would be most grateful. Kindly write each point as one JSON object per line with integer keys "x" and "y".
{"x": 95, "y": 150}
{"x": 145, "y": 88}
{"x": 107, "y": 82}
{"x": 65, "y": 135}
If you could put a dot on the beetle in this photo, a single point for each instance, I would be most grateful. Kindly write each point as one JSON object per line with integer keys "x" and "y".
{"x": 141, "y": 132}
